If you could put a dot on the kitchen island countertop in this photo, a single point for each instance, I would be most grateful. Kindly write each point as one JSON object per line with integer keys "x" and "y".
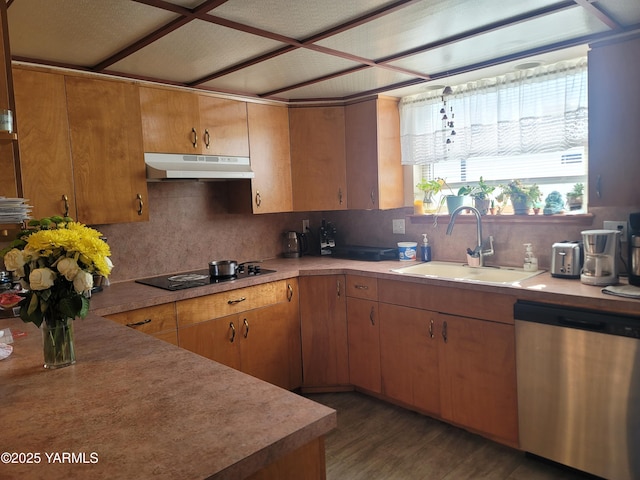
{"x": 136, "y": 407}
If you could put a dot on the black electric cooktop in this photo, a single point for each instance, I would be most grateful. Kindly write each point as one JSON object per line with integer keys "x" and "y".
{"x": 199, "y": 278}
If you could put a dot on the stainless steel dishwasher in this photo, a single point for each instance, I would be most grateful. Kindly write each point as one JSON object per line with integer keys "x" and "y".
{"x": 579, "y": 388}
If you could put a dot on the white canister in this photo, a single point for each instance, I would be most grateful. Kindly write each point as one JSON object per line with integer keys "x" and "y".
{"x": 407, "y": 251}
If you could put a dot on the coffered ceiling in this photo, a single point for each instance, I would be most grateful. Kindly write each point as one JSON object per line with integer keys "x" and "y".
{"x": 309, "y": 50}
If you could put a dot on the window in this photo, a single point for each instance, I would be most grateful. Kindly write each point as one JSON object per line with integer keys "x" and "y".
{"x": 530, "y": 125}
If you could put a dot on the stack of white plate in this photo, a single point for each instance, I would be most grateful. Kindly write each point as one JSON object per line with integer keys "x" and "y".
{"x": 14, "y": 210}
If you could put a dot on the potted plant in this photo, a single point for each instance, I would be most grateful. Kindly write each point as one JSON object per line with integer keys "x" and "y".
{"x": 455, "y": 201}
{"x": 429, "y": 188}
{"x": 522, "y": 196}
{"x": 575, "y": 197}
{"x": 481, "y": 196}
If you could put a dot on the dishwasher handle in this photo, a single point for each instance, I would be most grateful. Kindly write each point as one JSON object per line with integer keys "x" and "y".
{"x": 572, "y": 322}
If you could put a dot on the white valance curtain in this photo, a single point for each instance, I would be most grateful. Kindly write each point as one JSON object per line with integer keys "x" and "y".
{"x": 543, "y": 109}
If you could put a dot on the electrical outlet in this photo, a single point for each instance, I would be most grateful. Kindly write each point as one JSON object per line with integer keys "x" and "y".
{"x": 398, "y": 226}
{"x": 621, "y": 225}
{"x": 305, "y": 226}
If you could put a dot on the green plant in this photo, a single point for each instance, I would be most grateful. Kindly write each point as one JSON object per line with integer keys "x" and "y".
{"x": 430, "y": 187}
{"x": 517, "y": 191}
{"x": 578, "y": 191}
{"x": 481, "y": 191}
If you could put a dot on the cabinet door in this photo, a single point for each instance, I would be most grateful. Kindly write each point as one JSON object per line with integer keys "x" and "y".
{"x": 374, "y": 170}
{"x": 106, "y": 147}
{"x": 318, "y": 159}
{"x": 271, "y": 189}
{"x": 478, "y": 376}
{"x": 409, "y": 357}
{"x": 45, "y": 152}
{"x": 270, "y": 343}
{"x": 223, "y": 126}
{"x": 614, "y": 122}
{"x": 323, "y": 318}
{"x": 217, "y": 339}
{"x": 170, "y": 121}
{"x": 364, "y": 343}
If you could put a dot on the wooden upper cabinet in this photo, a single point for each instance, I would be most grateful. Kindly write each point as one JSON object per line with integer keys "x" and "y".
{"x": 175, "y": 121}
{"x": 318, "y": 158}
{"x": 8, "y": 149}
{"x": 271, "y": 189}
{"x": 374, "y": 171}
{"x": 614, "y": 123}
{"x": 108, "y": 160}
{"x": 223, "y": 125}
{"x": 45, "y": 151}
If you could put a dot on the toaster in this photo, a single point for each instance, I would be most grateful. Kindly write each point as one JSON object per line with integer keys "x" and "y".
{"x": 566, "y": 259}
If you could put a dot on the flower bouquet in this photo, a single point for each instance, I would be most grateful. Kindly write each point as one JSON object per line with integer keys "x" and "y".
{"x": 55, "y": 259}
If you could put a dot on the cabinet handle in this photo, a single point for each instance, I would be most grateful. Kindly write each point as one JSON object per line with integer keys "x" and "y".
{"x": 207, "y": 138}
{"x": 137, "y": 324}
{"x": 598, "y": 185}
{"x": 237, "y": 300}
{"x": 258, "y": 199}
{"x": 140, "y": 203}
{"x": 195, "y": 137}
{"x": 372, "y": 316}
{"x": 373, "y": 198}
{"x": 444, "y": 331}
{"x": 340, "y": 195}
{"x": 233, "y": 332}
{"x": 289, "y": 292}
{"x": 338, "y": 287}
{"x": 65, "y": 199}
{"x": 431, "y": 334}
{"x": 246, "y": 328}
{"x": 361, "y": 287}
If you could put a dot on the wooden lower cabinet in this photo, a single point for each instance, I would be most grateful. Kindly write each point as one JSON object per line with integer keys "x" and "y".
{"x": 323, "y": 319}
{"x": 263, "y": 342}
{"x": 364, "y": 343}
{"x": 478, "y": 376}
{"x": 159, "y": 321}
{"x": 306, "y": 463}
{"x": 409, "y": 357}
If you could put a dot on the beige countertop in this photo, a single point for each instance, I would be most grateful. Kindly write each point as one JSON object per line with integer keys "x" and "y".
{"x": 137, "y": 407}
{"x": 125, "y": 296}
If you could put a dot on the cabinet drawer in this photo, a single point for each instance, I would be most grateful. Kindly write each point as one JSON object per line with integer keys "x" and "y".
{"x": 362, "y": 287}
{"x": 497, "y": 307}
{"x": 149, "y": 319}
{"x": 195, "y": 310}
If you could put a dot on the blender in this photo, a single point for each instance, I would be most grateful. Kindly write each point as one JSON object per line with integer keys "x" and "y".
{"x": 600, "y": 252}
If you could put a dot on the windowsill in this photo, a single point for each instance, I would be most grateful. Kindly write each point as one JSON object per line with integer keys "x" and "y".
{"x": 510, "y": 219}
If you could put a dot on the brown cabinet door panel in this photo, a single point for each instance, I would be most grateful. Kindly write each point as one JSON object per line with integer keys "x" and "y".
{"x": 364, "y": 343}
{"x": 217, "y": 340}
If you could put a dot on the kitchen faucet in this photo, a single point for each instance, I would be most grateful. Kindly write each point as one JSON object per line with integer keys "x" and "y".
{"x": 477, "y": 252}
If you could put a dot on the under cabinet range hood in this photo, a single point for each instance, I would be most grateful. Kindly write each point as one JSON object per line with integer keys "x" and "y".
{"x": 171, "y": 166}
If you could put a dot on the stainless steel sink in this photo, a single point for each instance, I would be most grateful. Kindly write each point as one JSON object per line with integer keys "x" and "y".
{"x": 457, "y": 271}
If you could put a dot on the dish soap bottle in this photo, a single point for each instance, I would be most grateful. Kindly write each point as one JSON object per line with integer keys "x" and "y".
{"x": 530, "y": 262}
{"x": 425, "y": 249}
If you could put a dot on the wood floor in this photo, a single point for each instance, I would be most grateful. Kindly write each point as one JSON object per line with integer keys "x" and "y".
{"x": 378, "y": 441}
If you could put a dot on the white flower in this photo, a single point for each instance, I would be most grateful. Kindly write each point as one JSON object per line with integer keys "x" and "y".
{"x": 83, "y": 282}
{"x": 41, "y": 278}
{"x": 69, "y": 268}
{"x": 14, "y": 260}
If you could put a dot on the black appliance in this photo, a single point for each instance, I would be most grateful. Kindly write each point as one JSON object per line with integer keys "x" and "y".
{"x": 634, "y": 248}
{"x": 200, "y": 278}
{"x": 327, "y": 238}
{"x": 372, "y": 254}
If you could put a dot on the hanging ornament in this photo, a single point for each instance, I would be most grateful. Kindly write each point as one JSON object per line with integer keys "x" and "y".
{"x": 447, "y": 120}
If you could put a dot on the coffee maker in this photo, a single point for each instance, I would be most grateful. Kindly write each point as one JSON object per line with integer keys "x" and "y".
{"x": 634, "y": 249}
{"x": 327, "y": 238}
{"x": 600, "y": 253}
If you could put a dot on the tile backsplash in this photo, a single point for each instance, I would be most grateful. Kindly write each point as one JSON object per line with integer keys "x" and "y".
{"x": 189, "y": 226}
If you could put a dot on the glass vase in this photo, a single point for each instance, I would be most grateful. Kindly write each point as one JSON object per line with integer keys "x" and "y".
{"x": 58, "y": 343}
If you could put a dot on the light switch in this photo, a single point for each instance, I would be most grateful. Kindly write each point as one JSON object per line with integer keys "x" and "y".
{"x": 398, "y": 226}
